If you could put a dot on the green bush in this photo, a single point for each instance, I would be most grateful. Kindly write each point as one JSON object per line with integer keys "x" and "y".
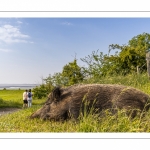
{"x": 42, "y": 91}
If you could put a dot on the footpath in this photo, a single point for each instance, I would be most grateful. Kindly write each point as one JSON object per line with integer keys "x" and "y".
{"x": 4, "y": 111}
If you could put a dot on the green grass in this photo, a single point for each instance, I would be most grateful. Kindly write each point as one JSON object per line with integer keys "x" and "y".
{"x": 13, "y": 98}
{"x": 20, "y": 122}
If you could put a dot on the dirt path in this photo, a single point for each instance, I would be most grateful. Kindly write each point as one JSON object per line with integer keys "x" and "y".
{"x": 4, "y": 111}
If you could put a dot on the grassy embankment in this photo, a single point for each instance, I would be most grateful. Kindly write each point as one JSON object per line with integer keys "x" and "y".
{"x": 19, "y": 121}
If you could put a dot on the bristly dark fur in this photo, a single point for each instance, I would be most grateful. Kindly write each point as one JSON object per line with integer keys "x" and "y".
{"x": 64, "y": 102}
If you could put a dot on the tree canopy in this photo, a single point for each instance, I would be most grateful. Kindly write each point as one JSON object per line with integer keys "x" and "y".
{"x": 128, "y": 58}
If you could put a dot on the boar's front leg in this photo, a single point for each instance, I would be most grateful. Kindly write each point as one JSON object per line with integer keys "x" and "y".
{"x": 74, "y": 112}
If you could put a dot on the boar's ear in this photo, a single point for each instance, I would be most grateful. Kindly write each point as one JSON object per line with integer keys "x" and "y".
{"x": 56, "y": 93}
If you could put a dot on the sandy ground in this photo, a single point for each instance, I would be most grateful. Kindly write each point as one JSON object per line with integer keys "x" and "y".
{"x": 4, "y": 111}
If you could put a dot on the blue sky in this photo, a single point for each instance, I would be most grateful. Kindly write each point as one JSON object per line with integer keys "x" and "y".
{"x": 32, "y": 48}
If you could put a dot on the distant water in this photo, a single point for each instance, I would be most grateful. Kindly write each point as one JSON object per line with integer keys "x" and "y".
{"x": 17, "y": 86}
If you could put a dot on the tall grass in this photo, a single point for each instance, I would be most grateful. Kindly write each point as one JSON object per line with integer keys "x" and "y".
{"x": 106, "y": 122}
{"x": 139, "y": 81}
{"x": 20, "y": 122}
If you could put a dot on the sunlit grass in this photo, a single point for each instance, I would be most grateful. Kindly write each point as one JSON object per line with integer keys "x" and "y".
{"x": 20, "y": 122}
{"x": 106, "y": 122}
{"x": 139, "y": 81}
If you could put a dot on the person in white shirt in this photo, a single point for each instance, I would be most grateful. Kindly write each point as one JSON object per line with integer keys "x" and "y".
{"x": 25, "y": 102}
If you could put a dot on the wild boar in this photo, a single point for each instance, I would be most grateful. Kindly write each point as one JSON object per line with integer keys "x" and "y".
{"x": 63, "y": 103}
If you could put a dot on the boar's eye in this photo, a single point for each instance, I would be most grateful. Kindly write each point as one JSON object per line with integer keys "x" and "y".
{"x": 49, "y": 101}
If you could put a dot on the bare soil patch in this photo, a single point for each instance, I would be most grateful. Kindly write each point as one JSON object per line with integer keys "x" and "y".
{"x": 4, "y": 111}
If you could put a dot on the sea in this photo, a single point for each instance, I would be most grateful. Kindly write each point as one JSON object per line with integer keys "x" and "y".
{"x": 17, "y": 86}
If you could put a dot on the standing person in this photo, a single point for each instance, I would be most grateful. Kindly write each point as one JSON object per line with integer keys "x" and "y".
{"x": 29, "y": 98}
{"x": 25, "y": 96}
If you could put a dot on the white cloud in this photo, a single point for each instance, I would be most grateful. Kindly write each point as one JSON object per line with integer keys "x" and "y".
{"x": 11, "y": 34}
{"x": 67, "y": 23}
{"x": 5, "y": 50}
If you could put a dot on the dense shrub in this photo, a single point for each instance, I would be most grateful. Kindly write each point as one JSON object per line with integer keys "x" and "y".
{"x": 42, "y": 90}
